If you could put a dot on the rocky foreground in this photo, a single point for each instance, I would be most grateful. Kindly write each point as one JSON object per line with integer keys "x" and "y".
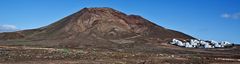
{"x": 37, "y": 55}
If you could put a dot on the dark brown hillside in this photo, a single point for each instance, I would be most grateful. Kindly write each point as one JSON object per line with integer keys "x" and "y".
{"x": 97, "y": 26}
{"x": 11, "y": 35}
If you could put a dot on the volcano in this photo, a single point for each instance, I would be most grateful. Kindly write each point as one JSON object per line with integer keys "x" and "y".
{"x": 108, "y": 36}
{"x": 95, "y": 27}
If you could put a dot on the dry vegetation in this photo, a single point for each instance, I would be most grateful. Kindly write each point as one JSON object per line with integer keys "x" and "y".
{"x": 37, "y": 55}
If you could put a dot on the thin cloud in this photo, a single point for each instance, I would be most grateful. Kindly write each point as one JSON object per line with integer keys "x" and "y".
{"x": 236, "y": 16}
{"x": 7, "y": 28}
{"x": 231, "y": 16}
{"x": 226, "y": 15}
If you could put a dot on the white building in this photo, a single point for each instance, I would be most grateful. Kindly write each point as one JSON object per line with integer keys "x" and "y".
{"x": 200, "y": 43}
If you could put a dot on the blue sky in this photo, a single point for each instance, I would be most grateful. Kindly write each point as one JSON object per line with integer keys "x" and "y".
{"x": 204, "y": 19}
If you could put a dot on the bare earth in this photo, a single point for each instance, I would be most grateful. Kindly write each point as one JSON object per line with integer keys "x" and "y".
{"x": 37, "y": 55}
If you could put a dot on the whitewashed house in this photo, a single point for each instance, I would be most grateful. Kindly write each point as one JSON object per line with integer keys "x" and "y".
{"x": 193, "y": 43}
